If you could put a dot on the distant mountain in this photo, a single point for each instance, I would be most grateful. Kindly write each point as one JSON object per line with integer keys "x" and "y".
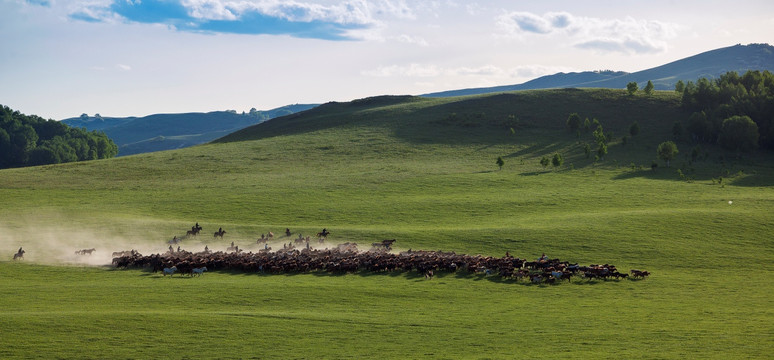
{"x": 710, "y": 64}
{"x": 135, "y": 135}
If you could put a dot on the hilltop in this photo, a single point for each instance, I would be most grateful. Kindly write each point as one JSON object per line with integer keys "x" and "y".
{"x": 710, "y": 64}
{"x": 482, "y": 118}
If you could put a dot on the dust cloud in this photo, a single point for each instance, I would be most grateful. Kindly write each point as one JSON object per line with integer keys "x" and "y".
{"x": 57, "y": 239}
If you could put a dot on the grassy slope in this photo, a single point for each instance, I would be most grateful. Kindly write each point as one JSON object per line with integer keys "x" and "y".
{"x": 404, "y": 170}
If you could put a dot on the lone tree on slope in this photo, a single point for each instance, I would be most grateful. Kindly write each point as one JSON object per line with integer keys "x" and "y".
{"x": 667, "y": 151}
{"x": 574, "y": 122}
{"x": 557, "y": 160}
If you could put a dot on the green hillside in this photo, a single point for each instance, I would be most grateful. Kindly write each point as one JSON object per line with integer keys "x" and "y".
{"x": 421, "y": 171}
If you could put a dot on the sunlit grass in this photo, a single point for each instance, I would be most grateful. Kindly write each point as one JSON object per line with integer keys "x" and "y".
{"x": 397, "y": 172}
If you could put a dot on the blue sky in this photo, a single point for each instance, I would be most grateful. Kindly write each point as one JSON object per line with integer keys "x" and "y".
{"x": 139, "y": 57}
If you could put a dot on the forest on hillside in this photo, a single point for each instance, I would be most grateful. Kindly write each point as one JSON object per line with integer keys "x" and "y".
{"x": 734, "y": 111}
{"x": 28, "y": 140}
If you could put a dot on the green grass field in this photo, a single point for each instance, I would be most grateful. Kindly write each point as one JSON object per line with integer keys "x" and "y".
{"x": 406, "y": 169}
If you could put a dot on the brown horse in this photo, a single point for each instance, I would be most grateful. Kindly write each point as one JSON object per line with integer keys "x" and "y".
{"x": 85, "y": 251}
{"x": 639, "y": 274}
{"x": 19, "y": 254}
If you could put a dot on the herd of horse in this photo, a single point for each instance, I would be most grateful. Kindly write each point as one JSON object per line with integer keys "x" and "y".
{"x": 346, "y": 258}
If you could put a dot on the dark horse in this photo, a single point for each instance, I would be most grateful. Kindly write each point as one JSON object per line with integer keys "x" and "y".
{"x": 219, "y": 233}
{"x": 194, "y": 230}
{"x": 19, "y": 254}
{"x": 323, "y": 234}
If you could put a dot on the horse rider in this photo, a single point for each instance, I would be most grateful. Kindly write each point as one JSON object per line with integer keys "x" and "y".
{"x": 206, "y": 249}
{"x": 287, "y": 231}
{"x": 170, "y": 249}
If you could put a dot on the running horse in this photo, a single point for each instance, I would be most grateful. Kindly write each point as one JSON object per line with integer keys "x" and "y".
{"x": 19, "y": 254}
{"x": 219, "y": 233}
{"x": 85, "y": 251}
{"x": 387, "y": 244}
{"x": 194, "y": 230}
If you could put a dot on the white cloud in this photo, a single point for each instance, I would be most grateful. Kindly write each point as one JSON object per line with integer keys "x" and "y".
{"x": 627, "y": 35}
{"x": 359, "y": 12}
{"x": 412, "y": 70}
{"x": 522, "y": 72}
{"x": 209, "y": 9}
{"x": 408, "y": 39}
{"x": 123, "y": 67}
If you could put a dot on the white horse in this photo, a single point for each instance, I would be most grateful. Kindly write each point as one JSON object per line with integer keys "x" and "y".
{"x": 170, "y": 271}
{"x": 198, "y": 271}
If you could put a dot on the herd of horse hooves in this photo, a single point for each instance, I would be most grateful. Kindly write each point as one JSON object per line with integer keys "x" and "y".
{"x": 345, "y": 258}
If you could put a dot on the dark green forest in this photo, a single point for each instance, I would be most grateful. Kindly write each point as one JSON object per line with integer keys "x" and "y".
{"x": 734, "y": 111}
{"x": 28, "y": 140}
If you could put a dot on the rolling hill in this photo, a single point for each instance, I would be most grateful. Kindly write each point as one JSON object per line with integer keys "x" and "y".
{"x": 710, "y": 64}
{"x": 158, "y": 132}
{"x": 135, "y": 135}
{"x": 422, "y": 171}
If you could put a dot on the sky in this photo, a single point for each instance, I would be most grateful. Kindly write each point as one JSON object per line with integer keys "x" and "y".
{"x": 63, "y": 58}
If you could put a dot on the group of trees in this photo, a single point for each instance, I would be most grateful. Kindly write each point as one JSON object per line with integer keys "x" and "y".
{"x": 632, "y": 88}
{"x": 600, "y": 138}
{"x": 734, "y": 111}
{"x": 27, "y": 140}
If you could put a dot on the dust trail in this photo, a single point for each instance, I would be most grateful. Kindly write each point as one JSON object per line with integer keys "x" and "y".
{"x": 55, "y": 238}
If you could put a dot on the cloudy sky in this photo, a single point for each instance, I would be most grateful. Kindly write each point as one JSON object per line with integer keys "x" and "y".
{"x": 62, "y": 58}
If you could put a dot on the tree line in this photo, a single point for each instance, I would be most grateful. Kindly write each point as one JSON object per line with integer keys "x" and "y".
{"x": 734, "y": 111}
{"x": 28, "y": 140}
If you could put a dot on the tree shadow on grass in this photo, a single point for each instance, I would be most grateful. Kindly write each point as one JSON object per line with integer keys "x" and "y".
{"x": 534, "y": 173}
{"x": 660, "y": 174}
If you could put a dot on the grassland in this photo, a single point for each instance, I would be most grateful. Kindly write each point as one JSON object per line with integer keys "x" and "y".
{"x": 422, "y": 171}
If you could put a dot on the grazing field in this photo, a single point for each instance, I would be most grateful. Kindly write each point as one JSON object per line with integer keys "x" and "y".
{"x": 407, "y": 169}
